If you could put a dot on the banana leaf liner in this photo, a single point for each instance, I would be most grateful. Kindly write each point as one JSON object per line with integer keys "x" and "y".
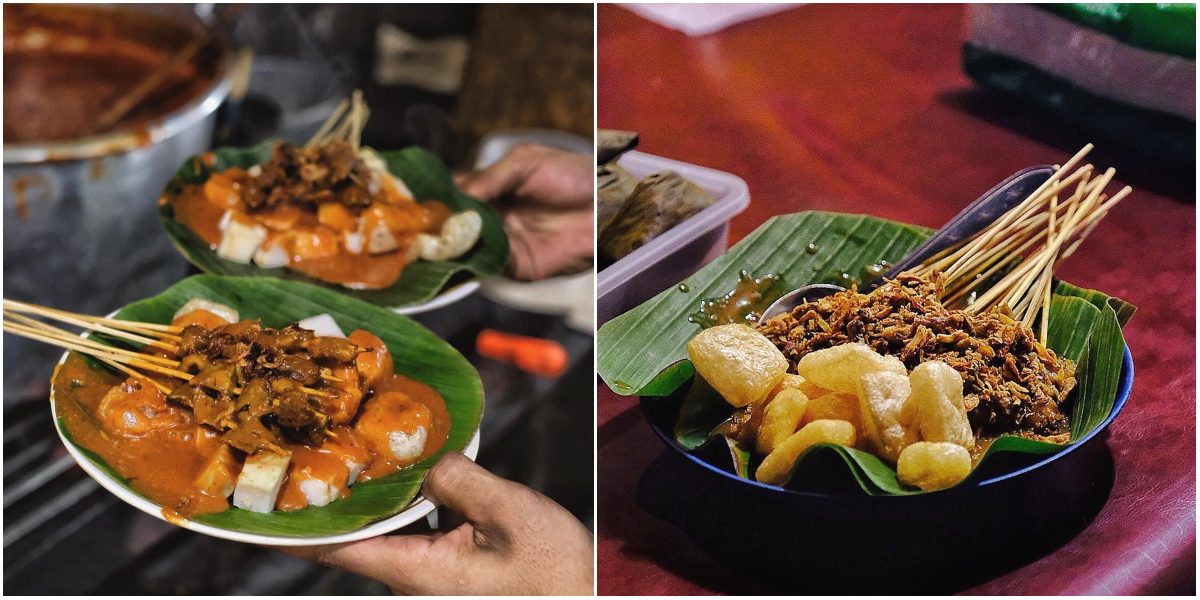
{"x": 425, "y": 175}
{"x": 417, "y": 353}
{"x": 644, "y": 351}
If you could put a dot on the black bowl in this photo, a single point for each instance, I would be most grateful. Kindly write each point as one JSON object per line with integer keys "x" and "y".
{"x": 835, "y": 537}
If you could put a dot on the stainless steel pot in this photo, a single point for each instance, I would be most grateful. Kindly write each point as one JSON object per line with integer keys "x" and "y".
{"x": 81, "y": 227}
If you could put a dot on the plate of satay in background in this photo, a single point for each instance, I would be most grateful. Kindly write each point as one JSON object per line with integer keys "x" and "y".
{"x": 389, "y": 228}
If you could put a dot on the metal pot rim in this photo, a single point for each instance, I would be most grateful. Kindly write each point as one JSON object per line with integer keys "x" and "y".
{"x": 128, "y": 139}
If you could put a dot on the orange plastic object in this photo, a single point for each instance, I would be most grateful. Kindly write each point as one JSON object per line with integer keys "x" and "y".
{"x": 546, "y": 358}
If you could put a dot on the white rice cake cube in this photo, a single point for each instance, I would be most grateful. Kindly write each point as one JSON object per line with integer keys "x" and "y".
{"x": 217, "y": 478}
{"x": 408, "y": 446}
{"x": 240, "y": 242}
{"x": 227, "y": 313}
{"x": 258, "y": 485}
{"x": 322, "y": 325}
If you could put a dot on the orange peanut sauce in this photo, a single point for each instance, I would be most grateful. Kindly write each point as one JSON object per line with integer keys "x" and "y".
{"x": 161, "y": 451}
{"x": 313, "y": 247}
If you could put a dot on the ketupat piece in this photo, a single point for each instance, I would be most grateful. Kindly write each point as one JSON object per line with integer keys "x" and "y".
{"x": 380, "y": 240}
{"x": 318, "y": 492}
{"x": 386, "y": 178}
{"x": 888, "y": 415}
{"x": 407, "y": 447}
{"x": 217, "y": 478}
{"x": 776, "y": 468}
{"x": 272, "y": 254}
{"x": 318, "y": 489}
{"x": 226, "y": 313}
{"x": 831, "y": 405}
{"x": 937, "y": 393}
{"x": 135, "y": 408}
{"x": 839, "y": 368}
{"x": 933, "y": 465}
{"x": 239, "y": 242}
{"x": 322, "y": 325}
{"x": 738, "y": 362}
{"x": 260, "y": 480}
{"x": 393, "y": 424}
{"x": 780, "y": 419}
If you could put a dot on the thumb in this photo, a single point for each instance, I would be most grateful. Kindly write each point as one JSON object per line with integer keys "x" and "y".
{"x": 467, "y": 488}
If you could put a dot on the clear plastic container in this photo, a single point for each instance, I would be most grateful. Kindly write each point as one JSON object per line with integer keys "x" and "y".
{"x": 678, "y": 252}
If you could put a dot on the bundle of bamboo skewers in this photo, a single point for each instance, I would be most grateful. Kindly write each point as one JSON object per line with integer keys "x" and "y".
{"x": 18, "y": 320}
{"x": 345, "y": 124}
{"x": 1024, "y": 246}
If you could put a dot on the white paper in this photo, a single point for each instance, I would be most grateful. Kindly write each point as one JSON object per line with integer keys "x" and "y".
{"x": 702, "y": 19}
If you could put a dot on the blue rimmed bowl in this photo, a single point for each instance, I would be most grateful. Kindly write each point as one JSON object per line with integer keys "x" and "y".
{"x": 1012, "y": 510}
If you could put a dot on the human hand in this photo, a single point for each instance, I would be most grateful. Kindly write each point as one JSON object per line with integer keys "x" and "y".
{"x": 545, "y": 198}
{"x": 515, "y": 541}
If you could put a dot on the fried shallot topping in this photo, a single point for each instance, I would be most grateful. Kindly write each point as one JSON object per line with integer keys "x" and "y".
{"x": 297, "y": 175}
{"x": 256, "y": 384}
{"x": 1011, "y": 382}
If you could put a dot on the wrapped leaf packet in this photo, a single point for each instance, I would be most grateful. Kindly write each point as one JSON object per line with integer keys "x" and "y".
{"x": 660, "y": 201}
{"x": 614, "y": 186}
{"x": 611, "y": 144}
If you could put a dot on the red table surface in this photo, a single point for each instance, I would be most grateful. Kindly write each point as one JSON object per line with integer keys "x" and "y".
{"x": 865, "y": 109}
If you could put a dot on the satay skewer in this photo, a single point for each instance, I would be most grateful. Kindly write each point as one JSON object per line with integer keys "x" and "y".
{"x": 24, "y": 326}
{"x": 119, "y": 328}
{"x": 158, "y": 330}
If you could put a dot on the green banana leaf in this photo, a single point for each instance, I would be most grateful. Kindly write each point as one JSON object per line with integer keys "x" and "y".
{"x": 643, "y": 352}
{"x": 740, "y": 456}
{"x": 416, "y": 351}
{"x": 424, "y": 174}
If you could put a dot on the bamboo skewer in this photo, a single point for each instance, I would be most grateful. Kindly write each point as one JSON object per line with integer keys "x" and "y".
{"x": 87, "y": 344}
{"x": 64, "y": 335}
{"x": 156, "y": 343}
{"x": 132, "y": 373}
{"x": 333, "y": 119}
{"x": 346, "y": 124}
{"x": 97, "y": 350}
{"x": 1011, "y": 217}
{"x": 153, "y": 329}
{"x": 11, "y": 307}
{"x": 1048, "y": 274}
{"x": 1024, "y": 246}
{"x": 110, "y": 362}
{"x": 119, "y": 358}
{"x": 109, "y": 353}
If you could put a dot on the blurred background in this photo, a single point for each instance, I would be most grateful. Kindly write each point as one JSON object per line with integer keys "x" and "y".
{"x": 81, "y": 233}
{"x": 909, "y": 112}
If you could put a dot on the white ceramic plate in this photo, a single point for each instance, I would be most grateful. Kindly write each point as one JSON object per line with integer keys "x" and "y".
{"x": 443, "y": 299}
{"x": 418, "y": 509}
